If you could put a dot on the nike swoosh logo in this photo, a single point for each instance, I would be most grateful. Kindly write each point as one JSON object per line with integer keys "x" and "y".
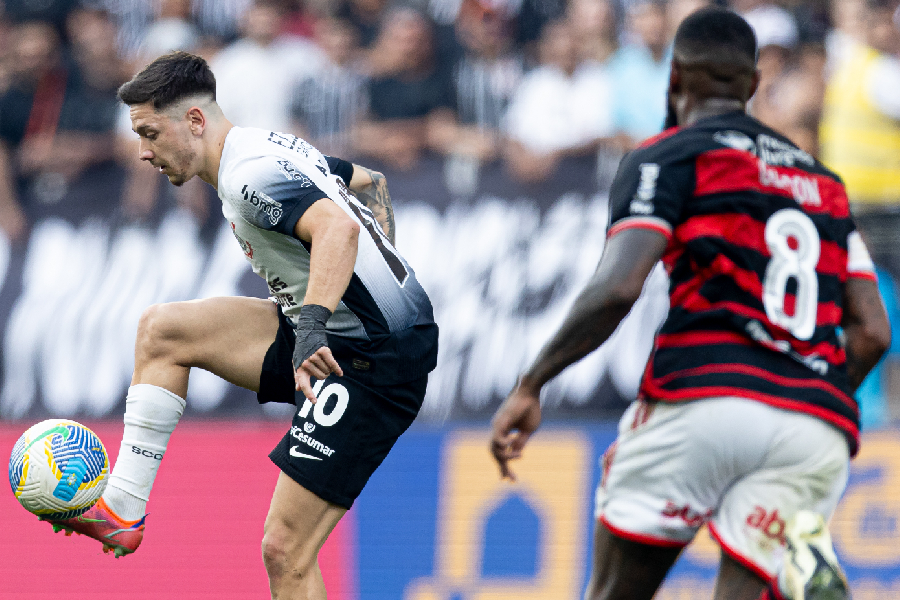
{"x": 294, "y": 452}
{"x": 81, "y": 519}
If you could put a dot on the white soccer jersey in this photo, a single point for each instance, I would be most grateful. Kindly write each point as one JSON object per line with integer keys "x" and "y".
{"x": 267, "y": 180}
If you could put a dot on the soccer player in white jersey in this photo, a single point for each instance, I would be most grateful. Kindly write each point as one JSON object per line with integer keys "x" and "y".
{"x": 348, "y": 326}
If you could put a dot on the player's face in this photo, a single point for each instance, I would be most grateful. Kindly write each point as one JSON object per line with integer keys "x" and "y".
{"x": 166, "y": 143}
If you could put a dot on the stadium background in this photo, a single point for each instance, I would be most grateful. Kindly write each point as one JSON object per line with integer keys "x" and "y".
{"x": 501, "y": 209}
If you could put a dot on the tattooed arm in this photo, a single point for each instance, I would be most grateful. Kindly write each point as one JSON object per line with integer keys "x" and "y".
{"x": 370, "y": 188}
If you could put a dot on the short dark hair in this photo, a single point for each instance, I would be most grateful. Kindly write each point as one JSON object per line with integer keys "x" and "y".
{"x": 168, "y": 79}
{"x": 716, "y": 36}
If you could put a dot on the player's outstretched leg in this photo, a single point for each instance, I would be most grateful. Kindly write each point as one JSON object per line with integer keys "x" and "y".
{"x": 296, "y": 527}
{"x": 811, "y": 569}
{"x": 227, "y": 336}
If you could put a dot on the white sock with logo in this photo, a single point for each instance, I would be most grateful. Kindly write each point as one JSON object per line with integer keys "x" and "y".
{"x": 151, "y": 414}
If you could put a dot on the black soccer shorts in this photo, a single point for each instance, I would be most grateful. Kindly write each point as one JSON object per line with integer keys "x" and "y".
{"x": 334, "y": 446}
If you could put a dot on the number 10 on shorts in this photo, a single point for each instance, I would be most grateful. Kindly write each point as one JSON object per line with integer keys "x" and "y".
{"x": 322, "y": 399}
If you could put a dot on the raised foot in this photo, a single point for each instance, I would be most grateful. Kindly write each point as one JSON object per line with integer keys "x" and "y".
{"x": 102, "y": 524}
{"x": 118, "y": 551}
{"x": 811, "y": 570}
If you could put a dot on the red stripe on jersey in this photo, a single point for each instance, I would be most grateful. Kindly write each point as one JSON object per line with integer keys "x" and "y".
{"x": 826, "y": 350}
{"x": 687, "y": 295}
{"x": 730, "y": 170}
{"x": 701, "y": 338}
{"x": 742, "y": 369}
{"x": 651, "y": 223}
{"x": 834, "y": 355}
{"x": 831, "y": 353}
{"x": 659, "y": 137}
{"x": 747, "y": 232}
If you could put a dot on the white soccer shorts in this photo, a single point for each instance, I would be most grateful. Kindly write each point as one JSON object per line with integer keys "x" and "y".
{"x": 740, "y": 466}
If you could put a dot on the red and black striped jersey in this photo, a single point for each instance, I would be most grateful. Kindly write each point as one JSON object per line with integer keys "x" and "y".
{"x": 760, "y": 245}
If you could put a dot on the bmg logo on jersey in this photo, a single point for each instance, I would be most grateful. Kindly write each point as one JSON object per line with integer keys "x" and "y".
{"x": 271, "y": 208}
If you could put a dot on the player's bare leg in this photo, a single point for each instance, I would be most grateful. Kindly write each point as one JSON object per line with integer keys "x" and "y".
{"x": 227, "y": 336}
{"x": 737, "y": 582}
{"x": 297, "y": 525}
{"x": 626, "y": 570}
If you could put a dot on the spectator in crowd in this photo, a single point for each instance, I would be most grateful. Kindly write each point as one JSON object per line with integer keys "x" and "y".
{"x": 328, "y": 103}
{"x": 53, "y": 12}
{"x": 171, "y": 30}
{"x": 300, "y": 19}
{"x": 640, "y": 71}
{"x": 562, "y": 107}
{"x": 56, "y": 120}
{"x": 29, "y": 113}
{"x": 848, "y": 18}
{"x": 485, "y": 76}
{"x": 594, "y": 26}
{"x": 222, "y": 19}
{"x": 531, "y": 18}
{"x": 410, "y": 96}
{"x": 365, "y": 16}
{"x": 256, "y": 75}
{"x": 860, "y": 131}
{"x": 777, "y": 37}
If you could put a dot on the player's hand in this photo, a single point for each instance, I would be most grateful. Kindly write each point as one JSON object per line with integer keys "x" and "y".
{"x": 312, "y": 358}
{"x": 516, "y": 419}
{"x": 320, "y": 365}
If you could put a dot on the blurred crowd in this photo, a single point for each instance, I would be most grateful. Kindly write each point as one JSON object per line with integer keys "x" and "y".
{"x": 522, "y": 83}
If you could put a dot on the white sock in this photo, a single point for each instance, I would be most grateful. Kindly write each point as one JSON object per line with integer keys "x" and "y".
{"x": 151, "y": 414}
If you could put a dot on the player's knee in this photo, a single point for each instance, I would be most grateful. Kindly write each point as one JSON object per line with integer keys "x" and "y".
{"x": 158, "y": 327}
{"x": 274, "y": 554}
{"x": 284, "y": 556}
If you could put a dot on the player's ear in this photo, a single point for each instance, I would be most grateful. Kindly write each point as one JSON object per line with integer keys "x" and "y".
{"x": 754, "y": 84}
{"x": 674, "y": 79}
{"x": 196, "y": 120}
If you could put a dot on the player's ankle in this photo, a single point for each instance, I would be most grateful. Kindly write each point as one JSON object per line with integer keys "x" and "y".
{"x": 124, "y": 505}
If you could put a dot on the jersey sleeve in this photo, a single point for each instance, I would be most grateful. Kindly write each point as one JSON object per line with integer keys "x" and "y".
{"x": 340, "y": 167}
{"x": 649, "y": 192}
{"x": 859, "y": 263}
{"x": 273, "y": 193}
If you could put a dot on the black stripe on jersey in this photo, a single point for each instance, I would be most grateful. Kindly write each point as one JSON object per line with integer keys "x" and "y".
{"x": 359, "y": 300}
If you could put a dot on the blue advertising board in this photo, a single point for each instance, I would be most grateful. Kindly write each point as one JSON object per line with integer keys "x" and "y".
{"x": 437, "y": 523}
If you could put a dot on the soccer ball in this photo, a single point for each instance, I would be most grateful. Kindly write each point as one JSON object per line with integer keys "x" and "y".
{"x": 58, "y": 469}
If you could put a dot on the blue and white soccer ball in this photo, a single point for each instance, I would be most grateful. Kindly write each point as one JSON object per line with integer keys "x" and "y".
{"x": 58, "y": 469}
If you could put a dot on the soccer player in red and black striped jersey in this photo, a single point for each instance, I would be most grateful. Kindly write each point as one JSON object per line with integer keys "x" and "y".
{"x": 746, "y": 419}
